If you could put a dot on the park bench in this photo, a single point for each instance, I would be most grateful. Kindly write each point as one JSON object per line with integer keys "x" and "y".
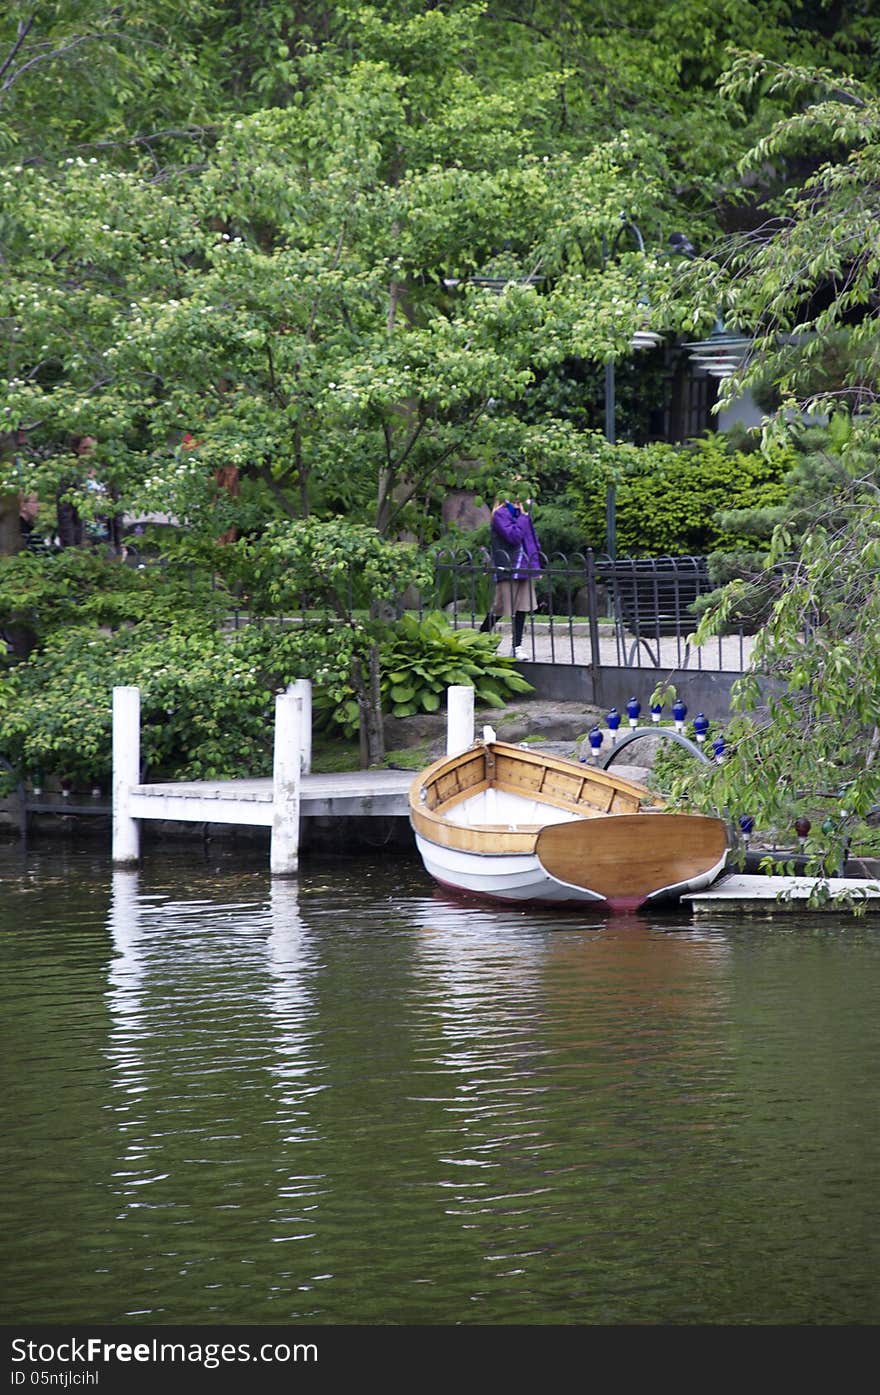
{"x": 651, "y": 600}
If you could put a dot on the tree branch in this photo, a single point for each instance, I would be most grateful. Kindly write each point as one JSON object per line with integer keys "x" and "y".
{"x": 24, "y": 28}
{"x": 52, "y": 54}
{"x": 268, "y": 479}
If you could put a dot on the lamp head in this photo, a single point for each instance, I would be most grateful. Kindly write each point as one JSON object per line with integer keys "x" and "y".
{"x": 680, "y": 243}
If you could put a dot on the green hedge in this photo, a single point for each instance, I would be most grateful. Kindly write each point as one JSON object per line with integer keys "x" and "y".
{"x": 669, "y": 498}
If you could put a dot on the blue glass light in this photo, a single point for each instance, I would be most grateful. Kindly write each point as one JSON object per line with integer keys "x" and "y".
{"x": 746, "y": 824}
{"x": 679, "y": 712}
{"x": 656, "y": 711}
{"x": 596, "y": 739}
{"x": 613, "y": 720}
{"x": 718, "y": 748}
{"x": 701, "y": 726}
{"x": 633, "y": 708}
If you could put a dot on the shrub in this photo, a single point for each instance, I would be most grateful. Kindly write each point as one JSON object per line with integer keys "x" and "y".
{"x": 669, "y": 499}
{"x": 53, "y": 591}
{"x": 207, "y": 698}
{"x": 419, "y": 661}
{"x": 205, "y": 707}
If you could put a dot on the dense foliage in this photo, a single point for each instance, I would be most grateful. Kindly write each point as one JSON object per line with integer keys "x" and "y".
{"x": 207, "y": 688}
{"x": 269, "y": 235}
{"x": 674, "y": 500}
{"x": 294, "y": 272}
{"x": 420, "y": 659}
{"x": 805, "y": 735}
{"x": 802, "y": 278}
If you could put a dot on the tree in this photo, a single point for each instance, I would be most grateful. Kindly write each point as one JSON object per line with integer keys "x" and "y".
{"x": 806, "y": 732}
{"x": 79, "y": 74}
{"x": 350, "y": 569}
{"x": 804, "y": 739}
{"x": 310, "y": 304}
{"x": 803, "y": 279}
{"x": 328, "y": 251}
{"x": 264, "y": 228}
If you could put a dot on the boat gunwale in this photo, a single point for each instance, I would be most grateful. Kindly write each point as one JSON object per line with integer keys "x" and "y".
{"x": 435, "y": 826}
{"x": 590, "y": 775}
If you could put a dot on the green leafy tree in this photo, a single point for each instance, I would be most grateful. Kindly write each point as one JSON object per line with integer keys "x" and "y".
{"x": 323, "y": 255}
{"x": 802, "y": 278}
{"x": 805, "y": 735}
{"x": 804, "y": 738}
{"x": 354, "y": 573}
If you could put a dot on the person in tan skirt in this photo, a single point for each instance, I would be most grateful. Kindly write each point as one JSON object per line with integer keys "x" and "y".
{"x": 516, "y": 563}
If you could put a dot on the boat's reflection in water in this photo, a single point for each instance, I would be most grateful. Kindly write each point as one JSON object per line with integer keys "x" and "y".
{"x": 543, "y": 1016}
{"x": 624, "y": 971}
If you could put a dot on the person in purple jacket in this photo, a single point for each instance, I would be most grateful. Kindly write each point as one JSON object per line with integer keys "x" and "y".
{"x": 516, "y": 563}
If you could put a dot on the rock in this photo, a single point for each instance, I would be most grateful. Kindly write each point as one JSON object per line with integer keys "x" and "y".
{"x": 547, "y": 721}
{"x": 557, "y": 727}
{"x": 401, "y": 732}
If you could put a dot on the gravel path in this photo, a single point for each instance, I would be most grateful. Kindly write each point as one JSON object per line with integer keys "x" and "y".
{"x": 561, "y": 643}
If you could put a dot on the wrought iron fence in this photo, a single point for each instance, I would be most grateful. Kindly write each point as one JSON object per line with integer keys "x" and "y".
{"x": 591, "y": 610}
{"x": 623, "y": 612}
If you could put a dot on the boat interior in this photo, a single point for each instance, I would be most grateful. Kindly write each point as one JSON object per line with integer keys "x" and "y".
{"x": 510, "y": 787}
{"x": 495, "y": 806}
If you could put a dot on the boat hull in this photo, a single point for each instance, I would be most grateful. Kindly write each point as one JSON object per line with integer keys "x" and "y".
{"x": 506, "y": 825}
{"x": 523, "y": 878}
{"x": 632, "y": 859}
{"x": 505, "y": 878}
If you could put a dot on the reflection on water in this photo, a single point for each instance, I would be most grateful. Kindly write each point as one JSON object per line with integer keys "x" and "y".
{"x": 346, "y": 1099}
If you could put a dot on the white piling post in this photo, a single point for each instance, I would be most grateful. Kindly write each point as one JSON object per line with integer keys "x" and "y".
{"x": 304, "y": 688}
{"x": 459, "y": 718}
{"x": 126, "y": 772}
{"x": 286, "y": 773}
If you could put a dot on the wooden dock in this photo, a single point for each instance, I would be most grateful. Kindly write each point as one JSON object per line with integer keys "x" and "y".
{"x": 279, "y": 803}
{"x": 358, "y": 793}
{"x": 746, "y": 894}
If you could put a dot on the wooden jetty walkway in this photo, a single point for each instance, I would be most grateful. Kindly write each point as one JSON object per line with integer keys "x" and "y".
{"x": 279, "y": 803}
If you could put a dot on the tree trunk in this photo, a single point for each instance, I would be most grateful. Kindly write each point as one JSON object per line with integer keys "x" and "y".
{"x": 367, "y": 691}
{"x": 376, "y": 732}
{"x": 10, "y": 531}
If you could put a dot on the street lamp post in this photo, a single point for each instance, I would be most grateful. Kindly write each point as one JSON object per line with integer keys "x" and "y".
{"x": 642, "y": 339}
{"x": 611, "y": 438}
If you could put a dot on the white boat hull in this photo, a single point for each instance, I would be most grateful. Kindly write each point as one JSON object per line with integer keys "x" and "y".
{"x": 507, "y": 877}
{"x": 513, "y": 877}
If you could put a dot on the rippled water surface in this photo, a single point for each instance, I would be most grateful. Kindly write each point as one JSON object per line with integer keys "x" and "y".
{"x": 349, "y": 1100}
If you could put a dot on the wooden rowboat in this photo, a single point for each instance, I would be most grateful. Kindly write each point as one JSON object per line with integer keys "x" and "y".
{"x": 509, "y": 824}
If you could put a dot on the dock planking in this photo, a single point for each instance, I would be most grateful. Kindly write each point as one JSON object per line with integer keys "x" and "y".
{"x": 359, "y": 793}
{"x": 745, "y": 893}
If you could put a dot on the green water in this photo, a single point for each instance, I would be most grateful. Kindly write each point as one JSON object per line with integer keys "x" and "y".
{"x": 348, "y": 1100}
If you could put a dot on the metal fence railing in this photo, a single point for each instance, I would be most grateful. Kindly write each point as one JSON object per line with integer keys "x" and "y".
{"x": 591, "y": 610}
{"x": 626, "y": 612}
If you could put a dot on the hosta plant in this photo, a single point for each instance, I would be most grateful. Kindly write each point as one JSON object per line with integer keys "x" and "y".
{"x": 420, "y": 659}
